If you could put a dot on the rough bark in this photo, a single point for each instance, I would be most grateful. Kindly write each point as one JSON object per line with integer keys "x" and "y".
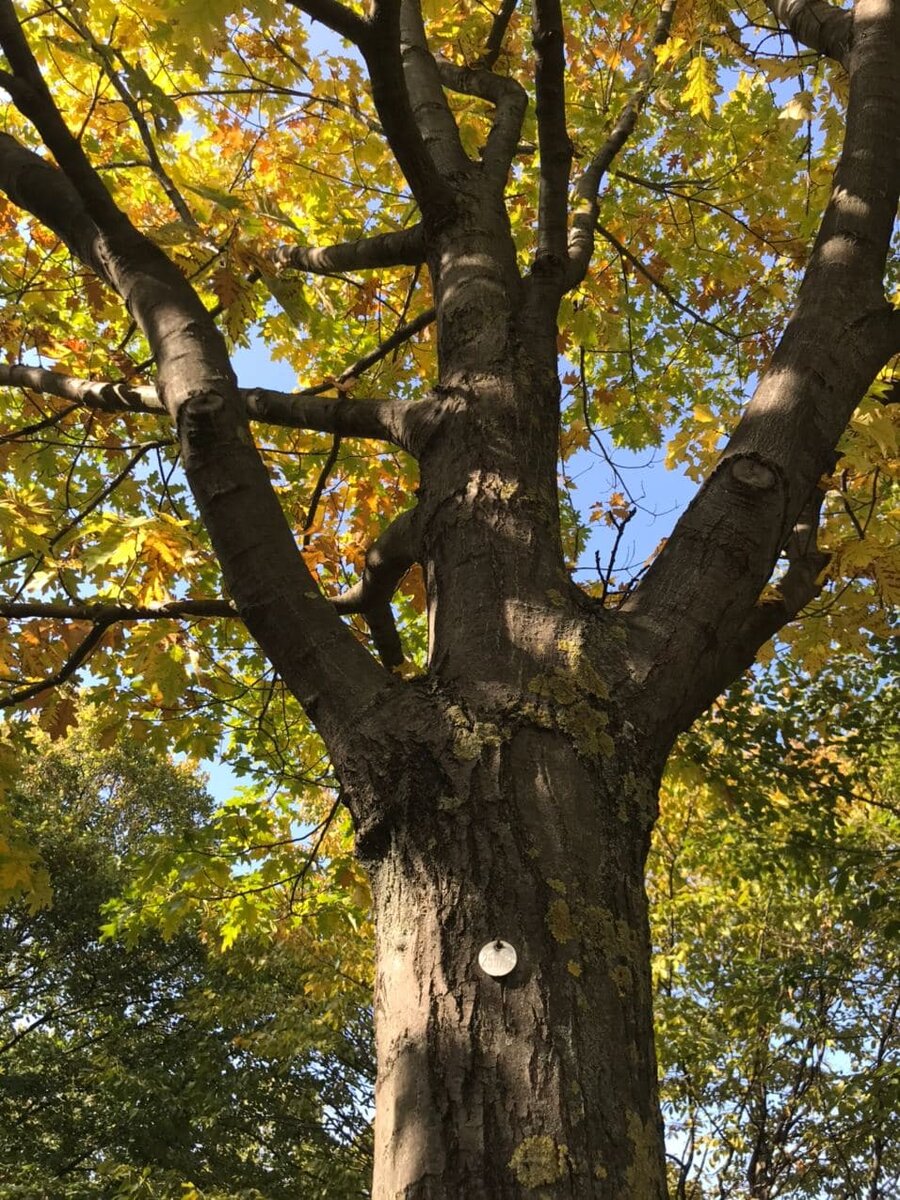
{"x": 516, "y": 805}
{"x": 541, "y": 1082}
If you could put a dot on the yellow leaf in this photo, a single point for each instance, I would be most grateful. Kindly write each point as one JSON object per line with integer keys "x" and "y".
{"x": 671, "y": 50}
{"x": 799, "y": 108}
{"x": 22, "y": 875}
{"x": 887, "y": 575}
{"x": 701, "y": 86}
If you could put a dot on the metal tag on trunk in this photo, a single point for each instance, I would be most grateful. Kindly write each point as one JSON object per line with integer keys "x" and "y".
{"x": 497, "y": 958}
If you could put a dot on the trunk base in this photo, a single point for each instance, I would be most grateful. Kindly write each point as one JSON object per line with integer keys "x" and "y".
{"x": 541, "y": 1082}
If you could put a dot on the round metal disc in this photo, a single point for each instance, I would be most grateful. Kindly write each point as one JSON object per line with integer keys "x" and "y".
{"x": 497, "y": 958}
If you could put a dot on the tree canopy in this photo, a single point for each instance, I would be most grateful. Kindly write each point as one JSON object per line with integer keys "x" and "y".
{"x": 773, "y": 885}
{"x": 235, "y": 138}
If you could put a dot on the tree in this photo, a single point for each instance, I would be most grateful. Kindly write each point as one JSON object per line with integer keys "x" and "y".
{"x": 141, "y": 1072}
{"x": 775, "y": 916}
{"x": 507, "y": 789}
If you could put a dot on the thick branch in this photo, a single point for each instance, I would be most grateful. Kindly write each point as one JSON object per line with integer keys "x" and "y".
{"x": 390, "y": 94}
{"x": 510, "y": 101}
{"x": 336, "y": 17}
{"x": 817, "y": 24}
{"x": 701, "y": 590}
{"x": 553, "y": 140}
{"x": 129, "y": 263}
{"x": 378, "y": 419}
{"x": 89, "y": 393}
{"x": 32, "y": 97}
{"x": 435, "y": 121}
{"x": 799, "y": 585}
{"x": 387, "y": 561}
{"x": 781, "y": 602}
{"x": 33, "y": 184}
{"x": 499, "y": 26}
{"x": 584, "y": 221}
{"x": 382, "y": 420}
{"x": 110, "y": 614}
{"x": 379, "y": 40}
{"x": 399, "y": 248}
{"x": 331, "y": 674}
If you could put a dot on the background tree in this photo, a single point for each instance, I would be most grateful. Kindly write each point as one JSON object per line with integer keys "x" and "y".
{"x": 507, "y": 788}
{"x": 773, "y": 889}
{"x": 167, "y": 1067}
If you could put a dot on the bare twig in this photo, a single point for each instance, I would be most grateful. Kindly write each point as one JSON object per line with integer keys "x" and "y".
{"x": 619, "y": 525}
{"x": 88, "y": 508}
{"x": 314, "y": 850}
{"x": 107, "y": 489}
{"x": 661, "y": 287}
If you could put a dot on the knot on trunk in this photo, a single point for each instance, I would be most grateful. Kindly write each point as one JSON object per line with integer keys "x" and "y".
{"x": 752, "y": 473}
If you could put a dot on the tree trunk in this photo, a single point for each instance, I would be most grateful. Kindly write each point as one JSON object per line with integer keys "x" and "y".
{"x": 542, "y": 1082}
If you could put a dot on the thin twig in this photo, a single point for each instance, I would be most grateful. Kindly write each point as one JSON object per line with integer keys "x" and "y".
{"x": 606, "y": 577}
{"x": 400, "y": 335}
{"x": 102, "y": 616}
{"x": 327, "y": 468}
{"x": 314, "y": 850}
{"x": 26, "y": 430}
{"x": 76, "y": 659}
{"x": 661, "y": 287}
